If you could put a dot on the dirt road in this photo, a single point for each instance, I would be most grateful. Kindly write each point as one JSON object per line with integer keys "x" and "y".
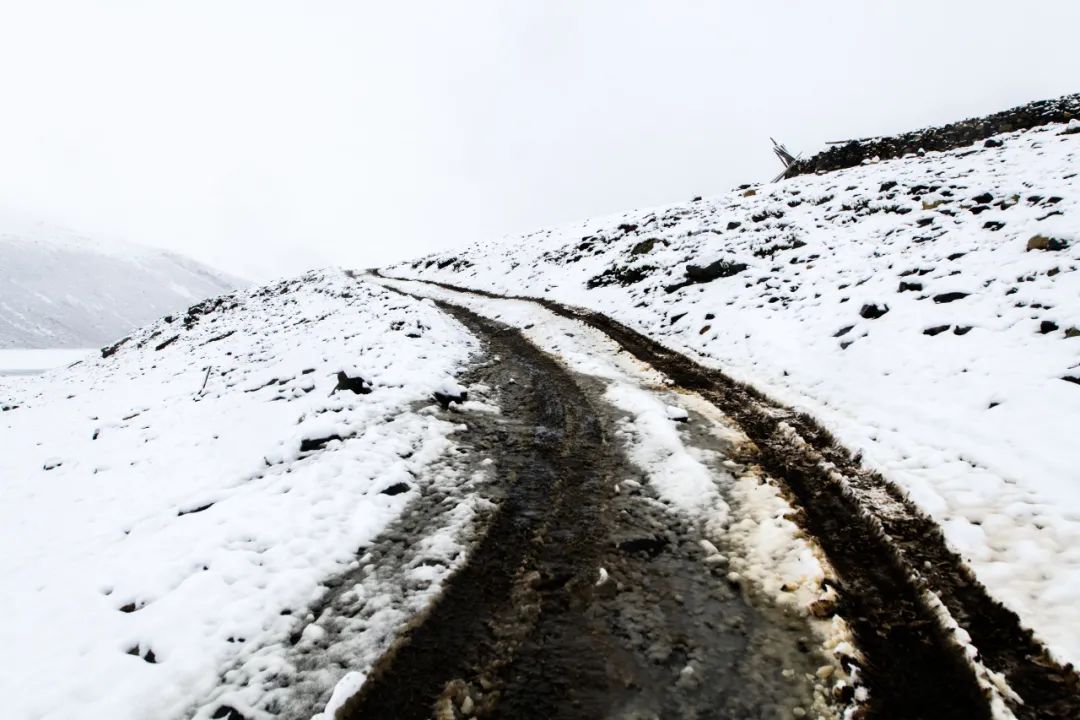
{"x": 585, "y": 602}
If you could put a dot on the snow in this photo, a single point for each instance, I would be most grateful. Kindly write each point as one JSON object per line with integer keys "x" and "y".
{"x": 21, "y": 361}
{"x": 62, "y": 289}
{"x": 975, "y": 421}
{"x": 161, "y": 537}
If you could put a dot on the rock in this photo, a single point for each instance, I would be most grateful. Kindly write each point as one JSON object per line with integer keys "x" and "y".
{"x": 993, "y": 143}
{"x": 750, "y": 193}
{"x": 887, "y": 185}
{"x": 822, "y": 609}
{"x": 872, "y": 311}
{"x": 843, "y": 331}
{"x": 395, "y": 489}
{"x": 733, "y": 224}
{"x": 984, "y": 198}
{"x": 936, "y": 330}
{"x": 677, "y": 414}
{"x": 1042, "y": 242}
{"x": 643, "y": 247}
{"x": 357, "y": 385}
{"x": 949, "y": 297}
{"x": 713, "y": 271}
{"x": 450, "y": 392}
{"x": 1072, "y": 332}
{"x": 961, "y": 330}
{"x": 909, "y": 286}
{"x": 1047, "y": 326}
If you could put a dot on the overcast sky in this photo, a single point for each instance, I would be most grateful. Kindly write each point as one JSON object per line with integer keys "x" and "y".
{"x": 269, "y": 135}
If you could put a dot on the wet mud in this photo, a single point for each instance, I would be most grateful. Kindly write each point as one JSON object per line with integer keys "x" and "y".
{"x": 581, "y": 601}
{"x": 886, "y": 560}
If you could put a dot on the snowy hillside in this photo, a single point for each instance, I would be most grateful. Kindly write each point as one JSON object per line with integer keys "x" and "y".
{"x": 59, "y": 289}
{"x": 166, "y": 510}
{"x": 926, "y": 309}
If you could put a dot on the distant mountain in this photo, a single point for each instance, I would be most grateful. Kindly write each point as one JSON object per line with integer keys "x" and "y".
{"x": 60, "y": 289}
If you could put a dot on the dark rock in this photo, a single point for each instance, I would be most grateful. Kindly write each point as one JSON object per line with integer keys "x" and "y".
{"x": 962, "y": 330}
{"x": 1072, "y": 332}
{"x": 111, "y": 350}
{"x": 167, "y": 343}
{"x": 312, "y": 444}
{"x": 643, "y": 247}
{"x": 733, "y": 224}
{"x": 993, "y": 225}
{"x": 993, "y": 143}
{"x": 444, "y": 399}
{"x": 983, "y": 199}
{"x": 886, "y": 186}
{"x": 676, "y": 318}
{"x": 650, "y": 546}
{"x": 227, "y": 712}
{"x": 843, "y": 331}
{"x": 194, "y": 510}
{"x": 396, "y": 489}
{"x": 949, "y": 297}
{"x": 909, "y": 286}
{"x": 872, "y": 311}
{"x": 713, "y": 271}
{"x": 620, "y": 275}
{"x": 357, "y": 384}
{"x": 936, "y": 330}
{"x": 1047, "y": 326}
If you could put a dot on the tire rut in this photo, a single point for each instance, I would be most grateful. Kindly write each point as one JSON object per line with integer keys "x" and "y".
{"x": 528, "y": 628}
{"x": 888, "y": 554}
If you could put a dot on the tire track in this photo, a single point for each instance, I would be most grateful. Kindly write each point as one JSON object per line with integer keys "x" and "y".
{"x": 888, "y": 553}
{"x": 528, "y": 628}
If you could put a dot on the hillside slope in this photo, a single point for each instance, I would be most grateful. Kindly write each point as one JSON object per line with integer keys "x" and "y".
{"x": 926, "y": 309}
{"x": 170, "y": 512}
{"x": 59, "y": 289}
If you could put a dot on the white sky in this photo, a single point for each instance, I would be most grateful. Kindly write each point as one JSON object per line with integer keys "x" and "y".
{"x": 270, "y": 135}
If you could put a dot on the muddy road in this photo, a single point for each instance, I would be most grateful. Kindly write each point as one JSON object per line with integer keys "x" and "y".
{"x": 582, "y": 601}
{"x": 902, "y": 591}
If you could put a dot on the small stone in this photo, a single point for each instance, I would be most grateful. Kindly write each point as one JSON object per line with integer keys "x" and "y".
{"x": 872, "y": 311}
{"x": 1047, "y": 326}
{"x": 1072, "y": 332}
{"x": 822, "y": 609}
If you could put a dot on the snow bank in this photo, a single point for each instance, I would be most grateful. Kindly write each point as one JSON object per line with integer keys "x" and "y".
{"x": 170, "y": 510}
{"x": 925, "y": 309}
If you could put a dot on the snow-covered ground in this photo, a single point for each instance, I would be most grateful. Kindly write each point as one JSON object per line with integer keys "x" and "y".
{"x": 30, "y": 362}
{"x": 925, "y": 309}
{"x": 169, "y": 512}
{"x": 59, "y": 289}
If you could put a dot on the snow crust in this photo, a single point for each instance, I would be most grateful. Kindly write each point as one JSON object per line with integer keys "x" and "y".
{"x": 925, "y": 309}
{"x": 161, "y": 524}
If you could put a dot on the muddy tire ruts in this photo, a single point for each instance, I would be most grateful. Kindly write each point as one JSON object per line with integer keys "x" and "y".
{"x": 527, "y": 629}
{"x": 887, "y": 562}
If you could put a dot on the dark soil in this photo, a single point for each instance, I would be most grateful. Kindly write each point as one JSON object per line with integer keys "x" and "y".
{"x": 885, "y": 561}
